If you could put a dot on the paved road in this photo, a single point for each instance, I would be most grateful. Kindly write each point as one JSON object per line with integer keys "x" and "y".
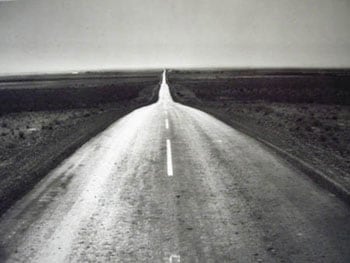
{"x": 169, "y": 183}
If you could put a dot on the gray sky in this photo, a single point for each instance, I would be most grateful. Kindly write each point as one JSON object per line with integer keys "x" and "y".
{"x": 66, "y": 35}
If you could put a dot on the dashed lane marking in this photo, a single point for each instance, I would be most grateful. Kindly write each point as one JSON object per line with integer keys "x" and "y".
{"x": 174, "y": 259}
{"x": 169, "y": 158}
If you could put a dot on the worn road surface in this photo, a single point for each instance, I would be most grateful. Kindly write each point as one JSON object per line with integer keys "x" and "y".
{"x": 169, "y": 183}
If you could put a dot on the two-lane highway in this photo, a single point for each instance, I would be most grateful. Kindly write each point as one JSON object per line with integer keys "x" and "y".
{"x": 169, "y": 183}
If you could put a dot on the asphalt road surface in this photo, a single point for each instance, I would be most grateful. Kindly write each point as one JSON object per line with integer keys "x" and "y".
{"x": 169, "y": 183}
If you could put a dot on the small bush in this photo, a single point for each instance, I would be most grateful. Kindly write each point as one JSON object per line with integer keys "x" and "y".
{"x": 47, "y": 127}
{"x": 57, "y": 122}
{"x": 328, "y": 127}
{"x": 336, "y": 128}
{"x": 335, "y": 139}
{"x": 316, "y": 123}
{"x": 323, "y": 138}
{"x": 21, "y": 135}
{"x": 308, "y": 128}
{"x": 11, "y": 145}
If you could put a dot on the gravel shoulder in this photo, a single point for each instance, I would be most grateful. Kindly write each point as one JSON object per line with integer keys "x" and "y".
{"x": 318, "y": 134}
{"x": 33, "y": 143}
{"x": 45, "y": 118}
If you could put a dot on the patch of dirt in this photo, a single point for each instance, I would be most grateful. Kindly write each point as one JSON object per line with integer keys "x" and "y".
{"x": 317, "y": 133}
{"x": 46, "y": 118}
{"x": 33, "y": 143}
{"x": 24, "y": 130}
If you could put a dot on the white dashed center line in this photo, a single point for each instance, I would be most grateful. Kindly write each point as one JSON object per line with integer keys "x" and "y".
{"x": 174, "y": 259}
{"x": 166, "y": 124}
{"x": 169, "y": 158}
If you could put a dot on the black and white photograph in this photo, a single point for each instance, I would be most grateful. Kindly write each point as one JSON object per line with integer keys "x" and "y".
{"x": 168, "y": 131}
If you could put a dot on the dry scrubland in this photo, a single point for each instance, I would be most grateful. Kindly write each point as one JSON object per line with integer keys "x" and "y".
{"x": 306, "y": 113}
{"x": 45, "y": 118}
{"x": 56, "y": 92}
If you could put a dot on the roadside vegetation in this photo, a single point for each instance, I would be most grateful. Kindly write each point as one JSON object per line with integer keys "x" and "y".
{"x": 64, "y": 92}
{"x": 44, "y": 122}
{"x": 306, "y": 113}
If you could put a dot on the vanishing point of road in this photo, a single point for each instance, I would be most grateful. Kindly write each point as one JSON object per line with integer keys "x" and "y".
{"x": 169, "y": 183}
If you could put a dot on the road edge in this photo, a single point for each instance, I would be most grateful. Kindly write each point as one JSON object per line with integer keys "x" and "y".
{"x": 38, "y": 170}
{"x": 315, "y": 174}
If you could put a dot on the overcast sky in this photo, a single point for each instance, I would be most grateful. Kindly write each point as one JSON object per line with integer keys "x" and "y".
{"x": 50, "y": 35}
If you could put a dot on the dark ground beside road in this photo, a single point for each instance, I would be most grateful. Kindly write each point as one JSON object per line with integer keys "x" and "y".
{"x": 34, "y": 142}
{"x": 229, "y": 199}
{"x": 308, "y": 127}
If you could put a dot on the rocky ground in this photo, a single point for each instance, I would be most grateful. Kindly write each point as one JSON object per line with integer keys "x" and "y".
{"x": 45, "y": 118}
{"x": 317, "y": 133}
{"x": 24, "y": 130}
{"x": 33, "y": 143}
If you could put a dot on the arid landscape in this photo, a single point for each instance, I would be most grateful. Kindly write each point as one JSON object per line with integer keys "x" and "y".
{"x": 138, "y": 176}
{"x": 175, "y": 131}
{"x": 45, "y": 118}
{"x": 305, "y": 112}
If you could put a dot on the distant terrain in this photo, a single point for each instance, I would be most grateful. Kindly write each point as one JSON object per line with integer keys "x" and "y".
{"x": 305, "y": 112}
{"x": 293, "y": 86}
{"x": 64, "y": 91}
{"x": 45, "y": 118}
